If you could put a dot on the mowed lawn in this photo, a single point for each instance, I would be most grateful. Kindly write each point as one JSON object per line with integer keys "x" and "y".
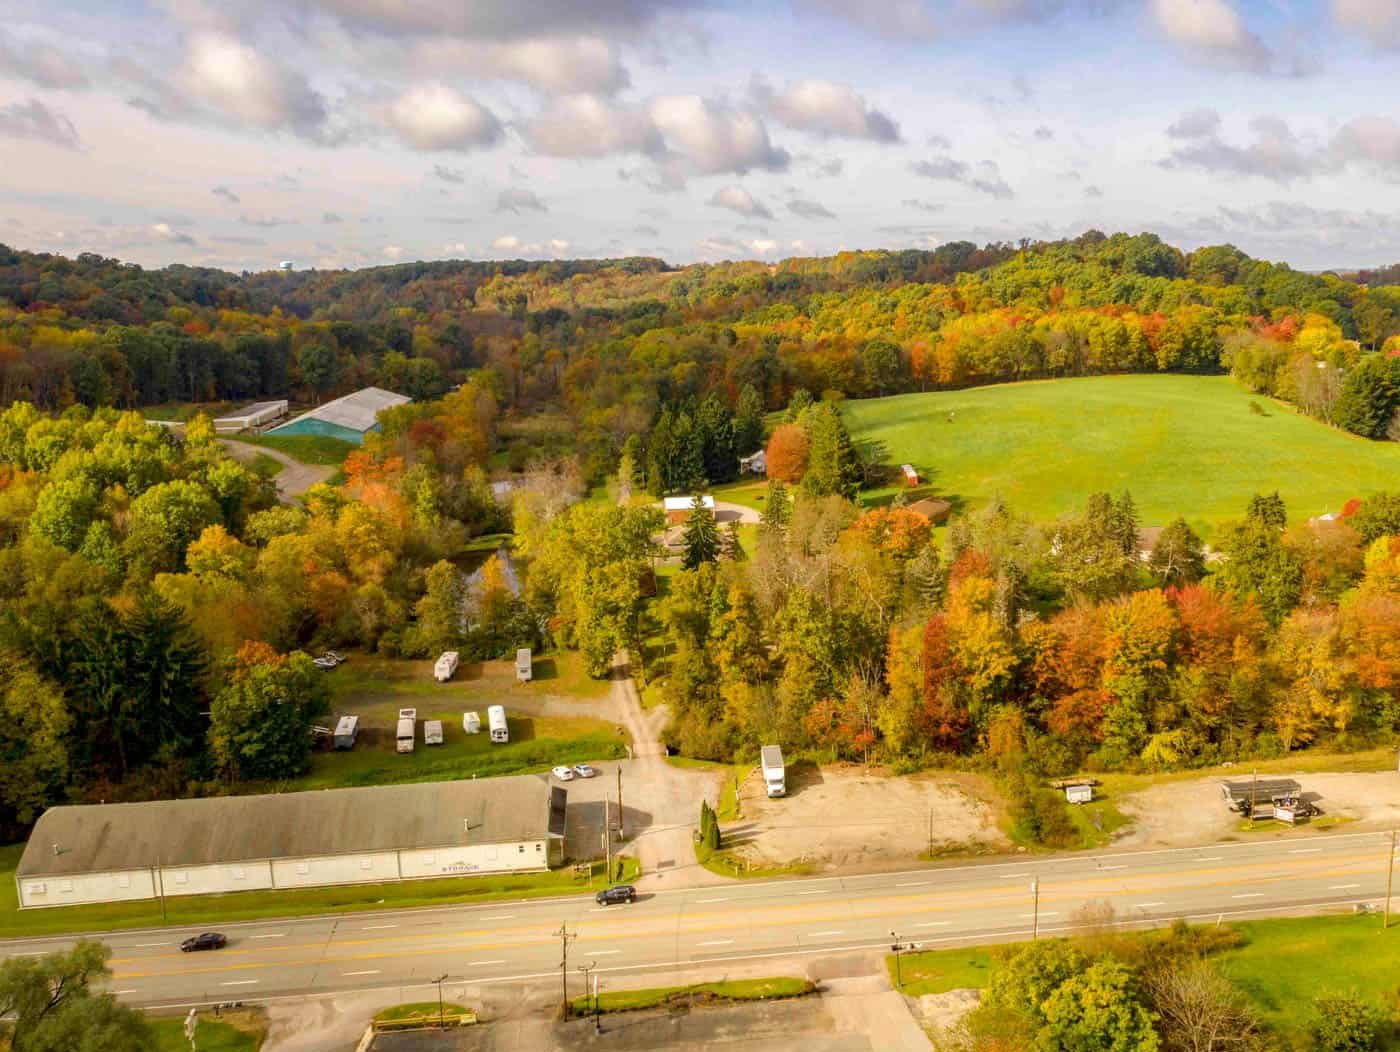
{"x": 1182, "y": 445}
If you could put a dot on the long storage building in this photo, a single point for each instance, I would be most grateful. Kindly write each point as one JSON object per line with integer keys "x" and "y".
{"x": 349, "y": 417}
{"x": 119, "y": 852}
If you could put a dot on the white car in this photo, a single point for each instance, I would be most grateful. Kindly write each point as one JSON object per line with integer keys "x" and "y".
{"x": 584, "y": 770}
{"x": 564, "y": 774}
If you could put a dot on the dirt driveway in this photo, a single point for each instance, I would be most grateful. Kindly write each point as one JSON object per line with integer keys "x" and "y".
{"x": 1182, "y": 813}
{"x": 845, "y": 817}
{"x": 293, "y": 480}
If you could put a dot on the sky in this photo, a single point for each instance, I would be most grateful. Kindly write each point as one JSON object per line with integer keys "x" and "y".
{"x": 351, "y": 133}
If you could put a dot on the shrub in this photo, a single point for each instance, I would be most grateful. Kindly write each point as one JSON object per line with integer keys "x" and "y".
{"x": 1345, "y": 1023}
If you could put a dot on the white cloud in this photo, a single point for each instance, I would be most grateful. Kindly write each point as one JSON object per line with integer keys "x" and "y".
{"x": 1377, "y": 20}
{"x": 242, "y": 84}
{"x": 392, "y": 252}
{"x": 1213, "y": 31}
{"x": 1195, "y": 124}
{"x": 554, "y": 248}
{"x": 1274, "y": 152}
{"x": 165, "y": 232}
{"x": 985, "y": 176}
{"x": 557, "y": 65}
{"x": 589, "y": 126}
{"x": 517, "y": 199}
{"x": 34, "y": 120}
{"x": 41, "y": 63}
{"x": 722, "y": 248}
{"x": 737, "y": 199}
{"x": 227, "y": 194}
{"x": 810, "y": 209}
{"x": 500, "y": 19}
{"x": 826, "y": 108}
{"x": 438, "y": 117}
{"x": 1370, "y": 140}
{"x": 712, "y": 137}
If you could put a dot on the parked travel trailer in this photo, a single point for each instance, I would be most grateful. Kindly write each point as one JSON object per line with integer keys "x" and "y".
{"x": 471, "y": 722}
{"x": 407, "y": 729}
{"x": 524, "y": 665}
{"x": 496, "y": 720}
{"x": 432, "y": 732}
{"x": 446, "y": 666}
{"x": 346, "y": 729}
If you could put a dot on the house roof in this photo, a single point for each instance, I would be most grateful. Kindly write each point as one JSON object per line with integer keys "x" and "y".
{"x": 931, "y": 508}
{"x": 355, "y": 411}
{"x": 99, "y": 838}
{"x": 1147, "y": 538}
{"x": 684, "y": 503}
{"x": 253, "y": 410}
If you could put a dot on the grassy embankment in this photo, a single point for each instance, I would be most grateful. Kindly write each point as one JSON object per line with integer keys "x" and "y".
{"x": 1182, "y": 445}
{"x": 725, "y": 992}
{"x": 241, "y": 1030}
{"x": 421, "y": 1014}
{"x": 1282, "y": 965}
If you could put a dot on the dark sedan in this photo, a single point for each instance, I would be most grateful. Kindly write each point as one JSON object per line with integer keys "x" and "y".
{"x": 210, "y": 940}
{"x": 616, "y": 893}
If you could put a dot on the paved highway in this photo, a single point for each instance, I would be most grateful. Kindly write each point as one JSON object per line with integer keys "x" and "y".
{"x": 512, "y": 941}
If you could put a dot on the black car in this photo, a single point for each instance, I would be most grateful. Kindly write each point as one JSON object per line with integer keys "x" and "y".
{"x": 616, "y": 893}
{"x": 210, "y": 940}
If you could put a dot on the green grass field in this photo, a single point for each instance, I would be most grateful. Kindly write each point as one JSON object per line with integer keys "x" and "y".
{"x": 658, "y": 996}
{"x": 1182, "y": 445}
{"x": 1282, "y": 965}
{"x": 236, "y": 1031}
{"x": 309, "y": 449}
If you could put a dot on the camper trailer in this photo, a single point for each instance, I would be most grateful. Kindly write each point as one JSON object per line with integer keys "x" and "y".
{"x": 432, "y": 732}
{"x": 524, "y": 665}
{"x": 471, "y": 722}
{"x": 446, "y": 666}
{"x": 496, "y": 720}
{"x": 407, "y": 729}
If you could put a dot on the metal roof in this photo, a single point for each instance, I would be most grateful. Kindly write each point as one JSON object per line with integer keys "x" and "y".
{"x": 253, "y": 410}
{"x": 686, "y": 503}
{"x": 102, "y": 838}
{"x": 354, "y": 411}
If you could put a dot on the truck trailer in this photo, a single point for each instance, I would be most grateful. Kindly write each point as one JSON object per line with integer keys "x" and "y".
{"x": 407, "y": 730}
{"x": 774, "y": 774}
{"x": 496, "y": 720}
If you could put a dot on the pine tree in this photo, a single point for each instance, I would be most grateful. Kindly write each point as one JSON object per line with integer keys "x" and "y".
{"x": 701, "y": 537}
{"x": 661, "y": 450}
{"x": 714, "y": 428}
{"x": 833, "y": 467}
{"x": 777, "y": 508}
{"x": 166, "y": 674}
{"x": 730, "y": 548}
{"x": 748, "y": 421}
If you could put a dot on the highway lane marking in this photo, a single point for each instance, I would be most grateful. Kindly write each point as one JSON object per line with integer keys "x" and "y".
{"x": 825, "y": 892}
{"x": 372, "y": 971}
{"x": 915, "y": 884}
{"x": 933, "y": 924}
{"x": 148, "y": 945}
{"x": 712, "y": 900}
{"x": 1305, "y": 851}
{"x": 483, "y": 964}
{"x": 1213, "y": 858}
{"x": 1043, "y": 913}
{"x": 1249, "y": 895}
{"x": 1146, "y": 905}
{"x": 241, "y": 982}
{"x": 1343, "y": 887}
{"x": 279, "y": 935}
{"x": 716, "y": 942}
{"x": 949, "y": 899}
{"x": 601, "y": 953}
{"x": 899, "y": 904}
{"x": 1105, "y": 869}
{"x": 377, "y": 927}
{"x": 822, "y": 934}
{"x": 501, "y": 916}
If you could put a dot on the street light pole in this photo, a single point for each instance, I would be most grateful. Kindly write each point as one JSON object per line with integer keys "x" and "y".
{"x": 1035, "y": 908}
{"x": 896, "y": 947}
{"x": 1389, "y": 879}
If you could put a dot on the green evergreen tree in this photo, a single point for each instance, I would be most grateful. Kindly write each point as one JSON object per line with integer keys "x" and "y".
{"x": 797, "y": 405}
{"x": 661, "y": 451}
{"x": 701, "y": 536}
{"x": 165, "y": 676}
{"x": 833, "y": 467}
{"x": 714, "y": 426}
{"x": 748, "y": 421}
{"x": 730, "y": 547}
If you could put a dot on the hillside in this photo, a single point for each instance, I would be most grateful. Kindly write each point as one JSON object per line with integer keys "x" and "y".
{"x": 1182, "y": 445}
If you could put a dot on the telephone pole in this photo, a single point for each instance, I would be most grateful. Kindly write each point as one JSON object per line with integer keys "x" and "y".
{"x": 1389, "y": 879}
{"x": 585, "y": 969}
{"x": 620, "y": 833}
{"x": 607, "y": 839}
{"x": 1035, "y": 900}
{"x": 565, "y": 937}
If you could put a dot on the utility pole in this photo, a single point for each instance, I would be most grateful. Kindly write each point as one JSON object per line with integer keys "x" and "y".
{"x": 160, "y": 886}
{"x": 597, "y": 1009}
{"x": 607, "y": 840}
{"x": 1389, "y": 879}
{"x": 442, "y": 1025}
{"x": 565, "y": 937}
{"x": 930, "y": 832}
{"x": 621, "y": 835}
{"x": 896, "y": 946}
{"x": 1035, "y": 908}
{"x": 1253, "y": 795}
{"x": 585, "y": 969}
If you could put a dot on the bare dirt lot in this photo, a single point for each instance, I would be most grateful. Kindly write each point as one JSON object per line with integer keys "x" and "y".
{"x": 1181, "y": 813}
{"x": 846, "y": 817}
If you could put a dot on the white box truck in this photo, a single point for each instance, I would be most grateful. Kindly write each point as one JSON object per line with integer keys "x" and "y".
{"x": 471, "y": 722}
{"x": 496, "y": 720}
{"x": 407, "y": 730}
{"x": 774, "y": 776}
{"x": 432, "y": 732}
{"x": 446, "y": 666}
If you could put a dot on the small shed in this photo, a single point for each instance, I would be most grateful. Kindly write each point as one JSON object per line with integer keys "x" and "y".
{"x": 911, "y": 475}
{"x": 678, "y": 508}
{"x": 524, "y": 665}
{"x": 347, "y": 728}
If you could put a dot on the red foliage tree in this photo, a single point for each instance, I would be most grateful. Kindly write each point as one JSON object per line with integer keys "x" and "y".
{"x": 788, "y": 450}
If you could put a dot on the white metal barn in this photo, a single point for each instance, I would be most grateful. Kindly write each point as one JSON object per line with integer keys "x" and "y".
{"x": 118, "y": 852}
{"x": 251, "y": 416}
